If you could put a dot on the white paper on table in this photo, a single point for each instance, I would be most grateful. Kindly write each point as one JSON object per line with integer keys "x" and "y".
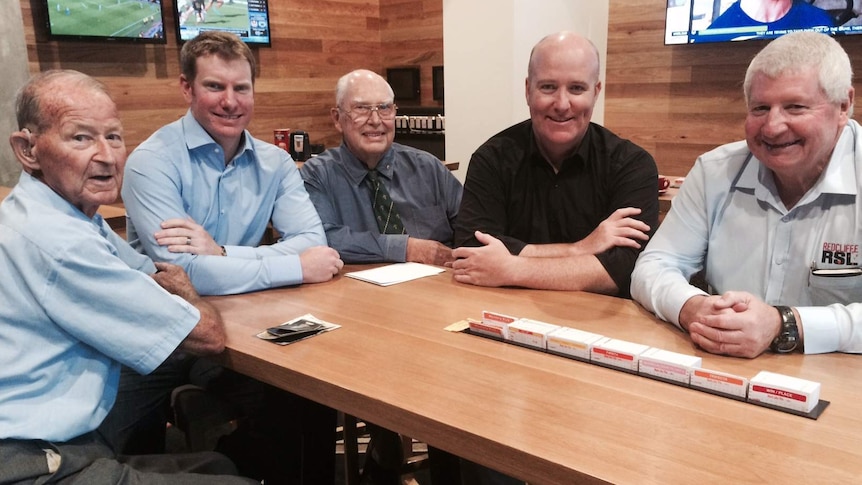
{"x": 395, "y": 273}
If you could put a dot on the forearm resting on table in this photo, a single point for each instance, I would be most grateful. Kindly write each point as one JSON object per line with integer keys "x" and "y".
{"x": 578, "y": 273}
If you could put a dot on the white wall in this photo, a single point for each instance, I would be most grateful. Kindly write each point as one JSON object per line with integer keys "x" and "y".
{"x": 13, "y": 58}
{"x": 486, "y": 46}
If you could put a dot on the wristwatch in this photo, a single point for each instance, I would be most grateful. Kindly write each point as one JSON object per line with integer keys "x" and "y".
{"x": 788, "y": 336}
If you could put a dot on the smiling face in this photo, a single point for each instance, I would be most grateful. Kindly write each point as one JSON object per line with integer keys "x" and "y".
{"x": 81, "y": 153}
{"x": 367, "y": 139}
{"x": 791, "y": 126}
{"x": 221, "y": 97}
{"x": 561, "y": 90}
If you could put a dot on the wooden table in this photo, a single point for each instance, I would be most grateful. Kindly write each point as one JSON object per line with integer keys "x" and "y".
{"x": 539, "y": 417}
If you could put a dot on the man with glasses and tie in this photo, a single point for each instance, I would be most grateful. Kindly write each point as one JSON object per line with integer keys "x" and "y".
{"x": 383, "y": 202}
{"x": 380, "y": 201}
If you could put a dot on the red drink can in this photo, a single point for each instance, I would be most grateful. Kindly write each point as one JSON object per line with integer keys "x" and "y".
{"x": 281, "y": 137}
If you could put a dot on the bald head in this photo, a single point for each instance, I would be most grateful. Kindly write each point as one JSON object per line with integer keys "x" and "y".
{"x": 360, "y": 78}
{"x": 563, "y": 41}
{"x": 365, "y": 115}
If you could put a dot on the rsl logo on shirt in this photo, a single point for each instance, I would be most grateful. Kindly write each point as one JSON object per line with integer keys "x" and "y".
{"x": 840, "y": 254}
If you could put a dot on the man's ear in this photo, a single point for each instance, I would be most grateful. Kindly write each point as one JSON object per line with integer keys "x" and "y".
{"x": 186, "y": 88}
{"x": 335, "y": 114}
{"x": 24, "y": 149}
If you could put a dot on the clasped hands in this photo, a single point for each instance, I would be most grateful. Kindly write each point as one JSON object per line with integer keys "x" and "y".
{"x": 735, "y": 323}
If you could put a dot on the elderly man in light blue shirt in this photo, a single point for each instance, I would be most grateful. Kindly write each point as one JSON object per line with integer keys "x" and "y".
{"x": 776, "y": 220}
{"x": 77, "y": 302}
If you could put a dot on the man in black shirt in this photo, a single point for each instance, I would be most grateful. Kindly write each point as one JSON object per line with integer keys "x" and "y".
{"x": 557, "y": 202}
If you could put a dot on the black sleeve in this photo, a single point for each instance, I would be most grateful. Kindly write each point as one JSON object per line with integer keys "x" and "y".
{"x": 634, "y": 184}
{"x": 484, "y": 203}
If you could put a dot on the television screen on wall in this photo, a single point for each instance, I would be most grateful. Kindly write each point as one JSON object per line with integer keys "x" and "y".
{"x": 110, "y": 20}
{"x": 404, "y": 82}
{"x": 249, "y": 19}
{"x": 700, "y": 21}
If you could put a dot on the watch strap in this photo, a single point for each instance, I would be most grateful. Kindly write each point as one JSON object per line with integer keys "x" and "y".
{"x": 787, "y": 339}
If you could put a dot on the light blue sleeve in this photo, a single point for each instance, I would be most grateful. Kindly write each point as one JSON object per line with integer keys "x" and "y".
{"x": 660, "y": 279}
{"x": 151, "y": 195}
{"x": 121, "y": 312}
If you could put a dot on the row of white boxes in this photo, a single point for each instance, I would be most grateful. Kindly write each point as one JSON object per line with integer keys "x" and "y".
{"x": 766, "y": 387}
{"x": 420, "y": 124}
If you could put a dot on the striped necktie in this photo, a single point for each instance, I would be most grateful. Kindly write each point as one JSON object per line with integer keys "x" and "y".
{"x": 388, "y": 220}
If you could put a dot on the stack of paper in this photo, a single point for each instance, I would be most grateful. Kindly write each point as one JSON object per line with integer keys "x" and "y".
{"x": 395, "y": 273}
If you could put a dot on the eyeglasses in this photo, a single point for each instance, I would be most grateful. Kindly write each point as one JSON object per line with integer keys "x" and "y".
{"x": 361, "y": 113}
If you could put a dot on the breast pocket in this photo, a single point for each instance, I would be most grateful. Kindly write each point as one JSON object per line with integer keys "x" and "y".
{"x": 429, "y": 223}
{"x": 826, "y": 290}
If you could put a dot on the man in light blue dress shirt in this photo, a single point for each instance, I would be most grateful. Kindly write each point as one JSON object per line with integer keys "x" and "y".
{"x": 77, "y": 301}
{"x": 200, "y": 193}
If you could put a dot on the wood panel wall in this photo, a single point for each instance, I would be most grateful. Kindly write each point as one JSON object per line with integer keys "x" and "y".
{"x": 411, "y": 35}
{"x": 314, "y": 43}
{"x": 677, "y": 101}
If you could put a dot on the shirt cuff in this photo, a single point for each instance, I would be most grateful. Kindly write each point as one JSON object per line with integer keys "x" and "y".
{"x": 285, "y": 270}
{"x": 675, "y": 301}
{"x": 395, "y": 247}
{"x": 819, "y": 329}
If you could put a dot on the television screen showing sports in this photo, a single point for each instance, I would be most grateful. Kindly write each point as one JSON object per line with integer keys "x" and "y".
{"x": 700, "y": 21}
{"x": 131, "y": 20}
{"x": 249, "y": 19}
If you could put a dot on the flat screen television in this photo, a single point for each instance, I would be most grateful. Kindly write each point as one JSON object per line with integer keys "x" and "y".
{"x": 405, "y": 82}
{"x": 105, "y": 20}
{"x": 700, "y": 21}
{"x": 249, "y": 19}
{"x": 437, "y": 82}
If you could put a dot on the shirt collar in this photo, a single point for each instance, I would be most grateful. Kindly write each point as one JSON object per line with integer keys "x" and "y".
{"x": 578, "y": 156}
{"x": 357, "y": 171}
{"x": 38, "y": 190}
{"x": 196, "y": 137}
{"x": 839, "y": 177}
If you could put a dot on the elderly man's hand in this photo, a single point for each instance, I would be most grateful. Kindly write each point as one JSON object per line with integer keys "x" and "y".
{"x": 735, "y": 323}
{"x": 175, "y": 280}
{"x": 428, "y": 252}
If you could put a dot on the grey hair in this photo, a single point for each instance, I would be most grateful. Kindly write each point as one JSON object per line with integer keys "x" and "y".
{"x": 802, "y": 50}
{"x": 31, "y": 110}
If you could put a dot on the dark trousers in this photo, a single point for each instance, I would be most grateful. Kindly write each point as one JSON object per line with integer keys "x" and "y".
{"x": 88, "y": 460}
{"x": 280, "y": 438}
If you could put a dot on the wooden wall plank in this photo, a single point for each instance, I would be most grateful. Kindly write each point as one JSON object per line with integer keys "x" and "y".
{"x": 677, "y": 101}
{"x": 411, "y": 35}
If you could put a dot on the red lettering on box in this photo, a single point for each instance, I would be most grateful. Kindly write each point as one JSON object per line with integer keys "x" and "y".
{"x": 497, "y": 317}
{"x": 614, "y": 355}
{"x": 780, "y": 392}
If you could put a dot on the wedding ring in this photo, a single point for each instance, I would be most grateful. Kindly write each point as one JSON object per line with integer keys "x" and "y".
{"x": 188, "y": 241}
